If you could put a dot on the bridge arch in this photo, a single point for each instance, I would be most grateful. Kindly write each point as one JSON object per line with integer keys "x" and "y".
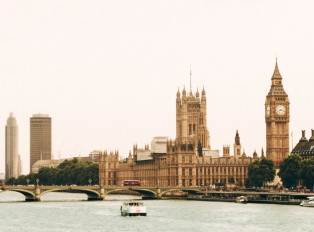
{"x": 189, "y": 191}
{"x": 29, "y": 195}
{"x": 145, "y": 192}
{"x": 91, "y": 194}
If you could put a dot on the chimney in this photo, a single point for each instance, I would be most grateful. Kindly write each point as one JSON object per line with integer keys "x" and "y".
{"x": 303, "y": 134}
{"x": 312, "y": 138}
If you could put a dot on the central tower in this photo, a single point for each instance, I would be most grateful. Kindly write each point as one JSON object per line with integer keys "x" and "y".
{"x": 277, "y": 117}
{"x": 191, "y": 118}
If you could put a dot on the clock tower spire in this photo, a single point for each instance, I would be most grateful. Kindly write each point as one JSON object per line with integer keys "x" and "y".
{"x": 277, "y": 117}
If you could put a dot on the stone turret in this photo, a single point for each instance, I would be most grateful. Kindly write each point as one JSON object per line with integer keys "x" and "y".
{"x": 237, "y": 146}
{"x": 191, "y": 119}
{"x": 226, "y": 151}
{"x": 255, "y": 155}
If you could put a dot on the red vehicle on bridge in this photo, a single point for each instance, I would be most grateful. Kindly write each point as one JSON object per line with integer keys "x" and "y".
{"x": 131, "y": 183}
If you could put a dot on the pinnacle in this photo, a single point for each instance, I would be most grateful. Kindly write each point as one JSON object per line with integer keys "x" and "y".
{"x": 276, "y": 74}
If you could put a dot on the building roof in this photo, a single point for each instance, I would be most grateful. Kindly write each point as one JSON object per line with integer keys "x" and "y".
{"x": 276, "y": 74}
{"x": 40, "y": 115}
{"x": 305, "y": 148}
{"x": 277, "y": 87}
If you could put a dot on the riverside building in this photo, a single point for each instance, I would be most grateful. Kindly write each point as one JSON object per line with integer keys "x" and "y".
{"x": 305, "y": 147}
{"x": 40, "y": 138}
{"x": 186, "y": 161}
{"x": 12, "y": 158}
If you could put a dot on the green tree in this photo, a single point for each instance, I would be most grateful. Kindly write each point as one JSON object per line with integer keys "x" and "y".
{"x": 290, "y": 171}
{"x": 67, "y": 173}
{"x": 21, "y": 180}
{"x": 260, "y": 172}
{"x": 307, "y": 173}
{"x": 10, "y": 181}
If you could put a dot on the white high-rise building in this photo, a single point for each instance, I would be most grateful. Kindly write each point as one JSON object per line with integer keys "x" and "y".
{"x": 11, "y": 148}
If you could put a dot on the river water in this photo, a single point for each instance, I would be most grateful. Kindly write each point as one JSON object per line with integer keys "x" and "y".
{"x": 71, "y": 212}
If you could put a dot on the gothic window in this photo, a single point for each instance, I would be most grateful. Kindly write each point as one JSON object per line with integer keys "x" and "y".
{"x": 183, "y": 159}
{"x": 194, "y": 128}
{"x": 190, "y": 171}
{"x": 190, "y": 159}
{"x": 190, "y": 129}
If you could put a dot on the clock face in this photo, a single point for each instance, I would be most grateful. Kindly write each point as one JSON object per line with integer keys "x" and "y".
{"x": 280, "y": 110}
{"x": 268, "y": 111}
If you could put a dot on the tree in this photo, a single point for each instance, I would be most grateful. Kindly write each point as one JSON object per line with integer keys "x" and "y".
{"x": 10, "y": 181}
{"x": 307, "y": 173}
{"x": 67, "y": 173}
{"x": 290, "y": 171}
{"x": 260, "y": 172}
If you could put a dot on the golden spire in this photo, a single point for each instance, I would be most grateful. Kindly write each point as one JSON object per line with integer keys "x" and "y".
{"x": 276, "y": 74}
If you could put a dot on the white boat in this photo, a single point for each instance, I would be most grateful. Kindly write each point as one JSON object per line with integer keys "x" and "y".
{"x": 133, "y": 208}
{"x": 308, "y": 203}
{"x": 242, "y": 199}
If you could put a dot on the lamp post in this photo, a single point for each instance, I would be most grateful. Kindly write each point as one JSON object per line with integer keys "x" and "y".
{"x": 27, "y": 181}
{"x": 37, "y": 181}
{"x": 90, "y": 182}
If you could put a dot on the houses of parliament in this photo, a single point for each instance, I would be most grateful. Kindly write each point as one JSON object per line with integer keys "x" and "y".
{"x": 188, "y": 160}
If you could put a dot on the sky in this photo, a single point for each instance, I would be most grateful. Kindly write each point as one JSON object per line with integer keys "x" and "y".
{"x": 107, "y": 72}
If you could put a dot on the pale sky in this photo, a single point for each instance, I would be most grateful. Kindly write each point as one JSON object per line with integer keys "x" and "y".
{"x": 107, "y": 72}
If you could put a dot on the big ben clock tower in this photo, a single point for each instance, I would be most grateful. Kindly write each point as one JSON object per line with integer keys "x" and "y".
{"x": 277, "y": 117}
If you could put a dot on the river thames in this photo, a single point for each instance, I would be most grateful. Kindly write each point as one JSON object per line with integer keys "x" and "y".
{"x": 70, "y": 212}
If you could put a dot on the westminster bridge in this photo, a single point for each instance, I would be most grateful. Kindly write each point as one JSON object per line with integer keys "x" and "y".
{"x": 34, "y": 193}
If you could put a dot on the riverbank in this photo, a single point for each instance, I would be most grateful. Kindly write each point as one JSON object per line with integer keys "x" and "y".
{"x": 254, "y": 197}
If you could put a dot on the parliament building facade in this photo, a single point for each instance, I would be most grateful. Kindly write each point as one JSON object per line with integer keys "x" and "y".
{"x": 188, "y": 160}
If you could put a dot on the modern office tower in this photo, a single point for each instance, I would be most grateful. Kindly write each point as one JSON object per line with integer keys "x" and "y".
{"x": 11, "y": 148}
{"x": 19, "y": 169}
{"x": 40, "y": 138}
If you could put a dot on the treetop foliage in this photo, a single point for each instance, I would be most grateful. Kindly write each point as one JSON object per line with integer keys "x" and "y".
{"x": 260, "y": 172}
{"x": 295, "y": 171}
{"x": 67, "y": 173}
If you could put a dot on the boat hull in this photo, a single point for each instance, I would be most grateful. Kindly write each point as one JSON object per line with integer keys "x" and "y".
{"x": 307, "y": 205}
{"x": 134, "y": 214}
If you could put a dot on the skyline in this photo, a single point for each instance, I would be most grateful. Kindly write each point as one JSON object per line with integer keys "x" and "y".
{"x": 108, "y": 78}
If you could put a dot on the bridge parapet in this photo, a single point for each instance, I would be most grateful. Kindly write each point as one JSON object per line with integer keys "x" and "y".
{"x": 34, "y": 193}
